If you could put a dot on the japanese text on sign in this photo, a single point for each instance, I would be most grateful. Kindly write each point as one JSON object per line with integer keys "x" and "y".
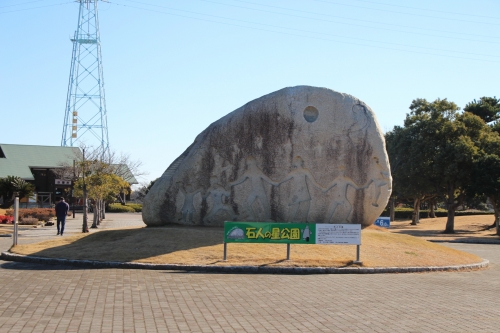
{"x": 297, "y": 233}
{"x": 338, "y": 234}
{"x": 261, "y": 232}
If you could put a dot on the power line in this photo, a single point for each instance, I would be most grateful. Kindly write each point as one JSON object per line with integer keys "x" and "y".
{"x": 20, "y": 4}
{"x": 412, "y": 14}
{"x": 429, "y": 10}
{"x": 314, "y": 32}
{"x": 354, "y": 19}
{"x": 304, "y": 31}
{"x": 19, "y": 10}
{"x": 353, "y": 24}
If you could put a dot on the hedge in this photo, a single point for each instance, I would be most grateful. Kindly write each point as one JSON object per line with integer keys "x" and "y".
{"x": 42, "y": 214}
{"x": 136, "y": 207}
{"x": 119, "y": 208}
{"x": 406, "y": 213}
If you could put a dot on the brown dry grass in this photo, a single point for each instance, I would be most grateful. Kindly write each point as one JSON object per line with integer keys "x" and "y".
{"x": 203, "y": 246}
{"x": 473, "y": 227}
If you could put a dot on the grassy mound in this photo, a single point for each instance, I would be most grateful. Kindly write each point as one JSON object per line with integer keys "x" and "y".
{"x": 204, "y": 246}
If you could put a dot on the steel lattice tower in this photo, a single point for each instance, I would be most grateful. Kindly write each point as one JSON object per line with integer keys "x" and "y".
{"x": 85, "y": 119}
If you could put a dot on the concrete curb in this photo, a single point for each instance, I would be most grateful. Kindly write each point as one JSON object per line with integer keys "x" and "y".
{"x": 8, "y": 256}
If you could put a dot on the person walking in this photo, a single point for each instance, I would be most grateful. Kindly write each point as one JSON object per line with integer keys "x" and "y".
{"x": 62, "y": 209}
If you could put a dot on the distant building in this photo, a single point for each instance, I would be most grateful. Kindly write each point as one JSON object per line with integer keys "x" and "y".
{"x": 36, "y": 165}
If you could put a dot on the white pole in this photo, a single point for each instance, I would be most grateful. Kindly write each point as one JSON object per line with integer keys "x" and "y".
{"x": 16, "y": 219}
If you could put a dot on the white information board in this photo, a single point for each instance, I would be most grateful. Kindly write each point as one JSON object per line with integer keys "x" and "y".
{"x": 338, "y": 234}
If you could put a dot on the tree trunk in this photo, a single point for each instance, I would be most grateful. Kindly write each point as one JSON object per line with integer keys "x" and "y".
{"x": 96, "y": 215}
{"x": 392, "y": 209}
{"x": 104, "y": 210}
{"x": 432, "y": 212}
{"x": 496, "y": 224}
{"x": 452, "y": 206}
{"x": 100, "y": 209}
{"x": 85, "y": 226}
{"x": 495, "y": 210}
{"x": 450, "y": 221}
{"x": 416, "y": 212}
{"x": 97, "y": 212}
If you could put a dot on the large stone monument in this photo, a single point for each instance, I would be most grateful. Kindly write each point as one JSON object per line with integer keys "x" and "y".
{"x": 298, "y": 154}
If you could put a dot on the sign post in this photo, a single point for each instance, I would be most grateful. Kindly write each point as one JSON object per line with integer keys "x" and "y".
{"x": 383, "y": 221}
{"x": 357, "y": 255}
{"x": 292, "y": 233}
{"x": 16, "y": 219}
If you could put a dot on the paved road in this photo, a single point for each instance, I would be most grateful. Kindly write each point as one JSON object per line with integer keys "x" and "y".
{"x": 42, "y": 298}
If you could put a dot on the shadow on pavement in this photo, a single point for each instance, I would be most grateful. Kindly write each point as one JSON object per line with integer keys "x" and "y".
{"x": 459, "y": 235}
{"x": 28, "y": 266}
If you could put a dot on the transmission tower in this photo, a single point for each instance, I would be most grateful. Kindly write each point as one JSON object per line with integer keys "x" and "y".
{"x": 85, "y": 119}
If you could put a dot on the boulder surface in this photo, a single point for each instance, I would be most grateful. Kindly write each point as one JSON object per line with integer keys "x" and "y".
{"x": 300, "y": 154}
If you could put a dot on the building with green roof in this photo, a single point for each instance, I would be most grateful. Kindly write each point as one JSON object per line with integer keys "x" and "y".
{"x": 36, "y": 164}
{"x": 22, "y": 160}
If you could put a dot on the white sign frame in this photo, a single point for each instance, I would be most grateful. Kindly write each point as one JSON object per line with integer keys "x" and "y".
{"x": 341, "y": 234}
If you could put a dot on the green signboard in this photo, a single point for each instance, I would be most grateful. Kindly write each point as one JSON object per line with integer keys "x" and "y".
{"x": 292, "y": 233}
{"x": 261, "y": 232}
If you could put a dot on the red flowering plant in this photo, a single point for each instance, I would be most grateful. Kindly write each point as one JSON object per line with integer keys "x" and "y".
{"x": 6, "y": 219}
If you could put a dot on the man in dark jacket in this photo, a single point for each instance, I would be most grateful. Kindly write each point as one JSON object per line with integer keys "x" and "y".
{"x": 62, "y": 209}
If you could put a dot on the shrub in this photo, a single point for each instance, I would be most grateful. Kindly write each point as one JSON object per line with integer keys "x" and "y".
{"x": 406, "y": 213}
{"x": 136, "y": 207}
{"x": 119, "y": 208}
{"x": 28, "y": 220}
{"x": 471, "y": 212}
{"x": 42, "y": 214}
{"x": 6, "y": 219}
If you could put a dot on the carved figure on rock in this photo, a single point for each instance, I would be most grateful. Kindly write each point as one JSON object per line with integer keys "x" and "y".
{"x": 379, "y": 182}
{"x": 342, "y": 182}
{"x": 359, "y": 117}
{"x": 256, "y": 176}
{"x": 301, "y": 196}
{"x": 188, "y": 206}
{"x": 218, "y": 193}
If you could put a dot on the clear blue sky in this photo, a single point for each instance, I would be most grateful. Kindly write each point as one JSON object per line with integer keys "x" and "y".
{"x": 173, "y": 67}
